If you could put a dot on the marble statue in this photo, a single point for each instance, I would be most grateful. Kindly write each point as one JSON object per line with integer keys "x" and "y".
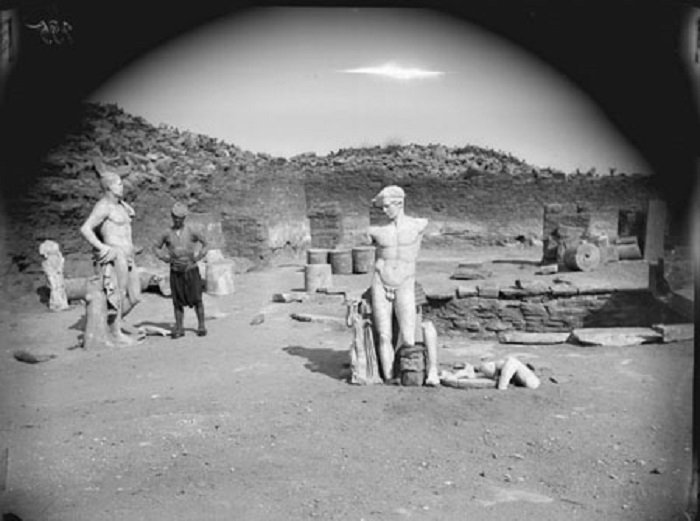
{"x": 393, "y": 284}
{"x": 53, "y": 269}
{"x": 108, "y": 230}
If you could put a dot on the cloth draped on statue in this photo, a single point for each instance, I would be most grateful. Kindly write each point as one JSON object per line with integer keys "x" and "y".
{"x": 110, "y": 282}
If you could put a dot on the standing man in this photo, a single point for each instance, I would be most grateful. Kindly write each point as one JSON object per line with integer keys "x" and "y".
{"x": 185, "y": 281}
{"x": 108, "y": 229}
{"x": 393, "y": 284}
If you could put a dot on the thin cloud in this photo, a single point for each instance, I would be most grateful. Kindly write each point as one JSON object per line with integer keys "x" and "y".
{"x": 396, "y": 72}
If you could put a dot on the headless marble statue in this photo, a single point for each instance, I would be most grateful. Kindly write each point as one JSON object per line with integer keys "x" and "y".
{"x": 53, "y": 269}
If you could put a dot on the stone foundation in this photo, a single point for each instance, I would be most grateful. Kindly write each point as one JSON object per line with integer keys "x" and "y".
{"x": 489, "y": 310}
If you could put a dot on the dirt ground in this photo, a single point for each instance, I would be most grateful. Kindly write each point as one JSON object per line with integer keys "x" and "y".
{"x": 257, "y": 422}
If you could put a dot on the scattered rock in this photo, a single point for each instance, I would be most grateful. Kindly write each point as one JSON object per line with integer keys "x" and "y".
{"x": 550, "y": 269}
{"x": 471, "y": 265}
{"x": 28, "y": 358}
{"x": 466, "y": 292}
{"x": 286, "y": 298}
{"x": 470, "y": 274}
{"x": 532, "y": 287}
{"x": 309, "y": 317}
{"x": 257, "y": 319}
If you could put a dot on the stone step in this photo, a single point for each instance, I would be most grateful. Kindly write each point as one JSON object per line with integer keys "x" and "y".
{"x": 523, "y": 337}
{"x": 675, "y": 332}
{"x": 615, "y": 336}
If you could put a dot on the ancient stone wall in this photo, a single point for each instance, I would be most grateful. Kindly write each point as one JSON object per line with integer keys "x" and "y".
{"x": 485, "y": 206}
{"x": 551, "y": 311}
{"x": 263, "y": 203}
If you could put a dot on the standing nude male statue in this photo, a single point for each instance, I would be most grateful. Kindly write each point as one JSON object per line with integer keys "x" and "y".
{"x": 393, "y": 284}
{"x": 108, "y": 229}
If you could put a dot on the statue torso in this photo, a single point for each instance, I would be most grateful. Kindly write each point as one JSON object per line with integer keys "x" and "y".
{"x": 397, "y": 245}
{"x": 115, "y": 230}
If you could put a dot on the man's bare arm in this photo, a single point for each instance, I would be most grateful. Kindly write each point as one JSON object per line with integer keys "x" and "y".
{"x": 205, "y": 246}
{"x": 158, "y": 248}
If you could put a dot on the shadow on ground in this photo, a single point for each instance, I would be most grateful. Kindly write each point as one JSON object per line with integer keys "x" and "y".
{"x": 79, "y": 324}
{"x": 326, "y": 361}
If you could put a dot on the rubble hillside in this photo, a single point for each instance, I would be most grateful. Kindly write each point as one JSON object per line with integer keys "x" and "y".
{"x": 167, "y": 164}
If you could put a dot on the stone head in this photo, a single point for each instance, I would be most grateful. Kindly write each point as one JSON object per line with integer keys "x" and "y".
{"x": 391, "y": 200}
{"x": 112, "y": 182}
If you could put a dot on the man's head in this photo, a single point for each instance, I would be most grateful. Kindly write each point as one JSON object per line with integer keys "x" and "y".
{"x": 179, "y": 213}
{"x": 390, "y": 199}
{"x": 111, "y": 182}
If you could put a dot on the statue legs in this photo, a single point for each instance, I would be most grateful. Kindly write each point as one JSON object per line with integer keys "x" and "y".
{"x": 128, "y": 282}
{"x": 123, "y": 293}
{"x": 382, "y": 309}
{"x": 385, "y": 303}
{"x": 430, "y": 340}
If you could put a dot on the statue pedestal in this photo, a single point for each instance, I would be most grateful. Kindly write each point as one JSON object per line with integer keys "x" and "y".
{"x": 97, "y": 334}
{"x": 317, "y": 276}
{"x": 219, "y": 277}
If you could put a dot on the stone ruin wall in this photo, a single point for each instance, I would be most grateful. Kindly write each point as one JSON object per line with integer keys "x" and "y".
{"x": 264, "y": 204}
{"x": 484, "y": 208}
{"x": 265, "y": 211}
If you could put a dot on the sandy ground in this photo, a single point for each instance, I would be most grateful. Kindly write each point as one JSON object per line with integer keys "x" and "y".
{"x": 257, "y": 422}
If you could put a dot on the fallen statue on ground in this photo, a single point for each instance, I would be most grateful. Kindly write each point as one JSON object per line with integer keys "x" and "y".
{"x": 495, "y": 373}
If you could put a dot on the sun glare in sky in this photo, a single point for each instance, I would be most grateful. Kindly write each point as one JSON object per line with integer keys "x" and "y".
{"x": 396, "y": 72}
{"x": 291, "y": 80}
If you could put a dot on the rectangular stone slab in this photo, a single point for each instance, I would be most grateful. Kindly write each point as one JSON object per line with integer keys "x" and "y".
{"x": 675, "y": 332}
{"x": 615, "y": 336}
{"x": 466, "y": 291}
{"x": 523, "y": 337}
{"x": 469, "y": 383}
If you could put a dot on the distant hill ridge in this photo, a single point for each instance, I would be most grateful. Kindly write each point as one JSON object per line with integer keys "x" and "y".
{"x": 107, "y": 132}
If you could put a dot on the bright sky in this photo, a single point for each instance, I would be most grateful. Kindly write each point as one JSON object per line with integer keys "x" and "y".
{"x": 291, "y": 80}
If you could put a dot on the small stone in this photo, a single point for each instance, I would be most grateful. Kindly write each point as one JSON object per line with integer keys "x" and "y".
{"x": 286, "y": 298}
{"x": 489, "y": 291}
{"x": 496, "y": 325}
{"x": 532, "y": 287}
{"x": 470, "y": 274}
{"x": 513, "y": 293}
{"x": 257, "y": 319}
{"x": 547, "y": 270}
{"x": 467, "y": 291}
